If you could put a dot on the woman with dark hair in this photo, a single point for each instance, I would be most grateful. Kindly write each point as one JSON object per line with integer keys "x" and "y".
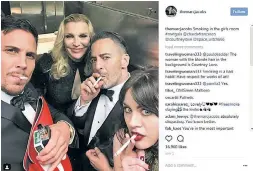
{"x": 139, "y": 98}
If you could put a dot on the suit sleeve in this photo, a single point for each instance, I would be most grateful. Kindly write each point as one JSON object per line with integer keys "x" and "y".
{"x": 58, "y": 116}
{"x": 77, "y": 120}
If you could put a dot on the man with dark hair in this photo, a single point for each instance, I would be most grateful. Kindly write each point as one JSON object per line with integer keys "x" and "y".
{"x": 97, "y": 110}
{"x": 22, "y": 108}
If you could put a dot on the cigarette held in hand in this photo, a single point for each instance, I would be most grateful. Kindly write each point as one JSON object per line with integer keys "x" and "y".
{"x": 23, "y": 78}
{"x": 97, "y": 81}
{"x": 124, "y": 146}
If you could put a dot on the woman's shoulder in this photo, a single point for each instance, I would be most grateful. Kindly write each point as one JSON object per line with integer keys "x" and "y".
{"x": 44, "y": 63}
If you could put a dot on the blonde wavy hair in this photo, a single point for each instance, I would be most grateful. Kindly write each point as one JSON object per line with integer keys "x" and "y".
{"x": 60, "y": 67}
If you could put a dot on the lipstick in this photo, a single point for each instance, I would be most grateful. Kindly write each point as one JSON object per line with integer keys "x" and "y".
{"x": 138, "y": 136}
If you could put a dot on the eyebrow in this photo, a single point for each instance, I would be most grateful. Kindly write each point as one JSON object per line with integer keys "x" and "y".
{"x": 18, "y": 49}
{"x": 79, "y": 34}
{"x": 13, "y": 47}
{"x": 138, "y": 106}
{"x": 101, "y": 55}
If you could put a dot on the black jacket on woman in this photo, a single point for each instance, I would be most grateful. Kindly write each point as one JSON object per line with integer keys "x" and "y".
{"x": 56, "y": 92}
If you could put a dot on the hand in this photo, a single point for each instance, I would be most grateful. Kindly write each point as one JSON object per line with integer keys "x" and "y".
{"x": 98, "y": 160}
{"x": 88, "y": 91}
{"x": 131, "y": 160}
{"x": 57, "y": 146}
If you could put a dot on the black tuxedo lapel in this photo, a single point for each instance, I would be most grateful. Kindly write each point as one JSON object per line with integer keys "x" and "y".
{"x": 15, "y": 115}
{"x": 104, "y": 136}
{"x": 88, "y": 123}
{"x": 111, "y": 121}
{"x": 108, "y": 127}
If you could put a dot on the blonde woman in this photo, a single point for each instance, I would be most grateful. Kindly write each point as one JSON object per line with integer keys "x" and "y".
{"x": 58, "y": 75}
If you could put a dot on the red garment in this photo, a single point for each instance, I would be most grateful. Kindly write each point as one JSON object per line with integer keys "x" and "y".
{"x": 30, "y": 162}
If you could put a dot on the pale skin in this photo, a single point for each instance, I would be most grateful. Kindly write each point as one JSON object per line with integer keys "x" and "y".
{"x": 128, "y": 160}
{"x": 18, "y": 59}
{"x": 76, "y": 39}
{"x": 137, "y": 120}
{"x": 109, "y": 62}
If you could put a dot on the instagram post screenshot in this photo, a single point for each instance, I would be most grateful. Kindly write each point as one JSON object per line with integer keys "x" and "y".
{"x": 206, "y": 50}
{"x": 79, "y": 85}
{"x": 127, "y": 85}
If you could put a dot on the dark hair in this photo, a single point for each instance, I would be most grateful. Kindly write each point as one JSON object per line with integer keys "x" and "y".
{"x": 10, "y": 23}
{"x": 144, "y": 85}
{"x": 144, "y": 89}
{"x": 115, "y": 37}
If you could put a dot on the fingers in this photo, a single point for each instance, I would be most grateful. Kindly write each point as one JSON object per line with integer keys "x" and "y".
{"x": 130, "y": 147}
{"x": 90, "y": 87}
{"x": 93, "y": 157}
{"x": 52, "y": 151}
{"x": 57, "y": 156}
{"x": 138, "y": 162}
{"x": 91, "y": 154}
{"x": 141, "y": 155}
{"x": 96, "y": 75}
{"x": 132, "y": 163}
{"x": 98, "y": 152}
{"x": 52, "y": 144}
{"x": 97, "y": 80}
{"x": 55, "y": 164}
{"x": 57, "y": 145}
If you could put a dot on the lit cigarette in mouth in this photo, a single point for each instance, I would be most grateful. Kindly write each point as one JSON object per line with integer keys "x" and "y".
{"x": 97, "y": 81}
{"x": 124, "y": 146}
{"x": 23, "y": 78}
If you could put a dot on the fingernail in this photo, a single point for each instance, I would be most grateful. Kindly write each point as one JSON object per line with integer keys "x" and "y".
{"x": 142, "y": 158}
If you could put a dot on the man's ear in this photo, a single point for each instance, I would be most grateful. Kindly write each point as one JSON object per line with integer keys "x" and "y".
{"x": 125, "y": 61}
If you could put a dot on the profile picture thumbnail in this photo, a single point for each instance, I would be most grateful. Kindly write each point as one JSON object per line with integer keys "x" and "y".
{"x": 171, "y": 11}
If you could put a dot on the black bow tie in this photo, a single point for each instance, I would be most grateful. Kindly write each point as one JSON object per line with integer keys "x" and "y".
{"x": 108, "y": 93}
{"x": 19, "y": 100}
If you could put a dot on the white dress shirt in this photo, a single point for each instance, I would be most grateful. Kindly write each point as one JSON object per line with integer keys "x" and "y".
{"x": 103, "y": 109}
{"x": 29, "y": 112}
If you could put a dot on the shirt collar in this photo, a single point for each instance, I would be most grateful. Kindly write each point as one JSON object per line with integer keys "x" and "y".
{"x": 6, "y": 97}
{"x": 117, "y": 89}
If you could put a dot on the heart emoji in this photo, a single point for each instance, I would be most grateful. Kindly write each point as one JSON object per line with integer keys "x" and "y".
{"x": 168, "y": 138}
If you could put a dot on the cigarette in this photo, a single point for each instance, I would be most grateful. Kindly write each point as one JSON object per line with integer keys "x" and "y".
{"x": 23, "y": 78}
{"x": 97, "y": 81}
{"x": 124, "y": 146}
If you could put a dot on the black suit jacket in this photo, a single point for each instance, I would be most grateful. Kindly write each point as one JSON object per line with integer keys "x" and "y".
{"x": 15, "y": 130}
{"x": 103, "y": 138}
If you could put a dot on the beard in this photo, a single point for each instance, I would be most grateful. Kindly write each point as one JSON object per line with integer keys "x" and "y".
{"x": 12, "y": 92}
